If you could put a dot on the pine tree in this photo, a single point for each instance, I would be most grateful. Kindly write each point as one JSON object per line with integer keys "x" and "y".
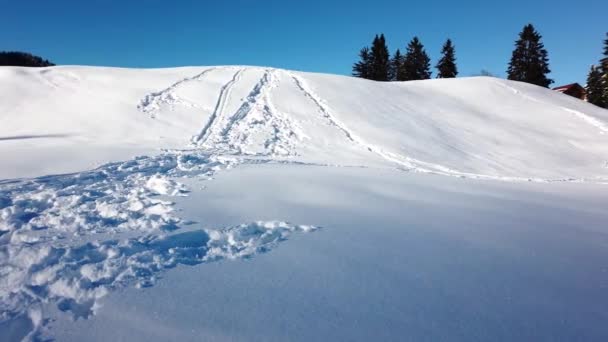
{"x": 380, "y": 59}
{"x": 605, "y": 59}
{"x": 416, "y": 64}
{"x": 604, "y": 77}
{"x": 374, "y": 63}
{"x": 595, "y": 87}
{"x": 396, "y": 67}
{"x": 447, "y": 64}
{"x": 530, "y": 61}
{"x": 362, "y": 67}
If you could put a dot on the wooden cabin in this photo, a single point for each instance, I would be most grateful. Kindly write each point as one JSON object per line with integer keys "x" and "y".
{"x": 573, "y": 89}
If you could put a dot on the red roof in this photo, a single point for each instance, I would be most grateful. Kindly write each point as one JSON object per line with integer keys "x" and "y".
{"x": 567, "y": 86}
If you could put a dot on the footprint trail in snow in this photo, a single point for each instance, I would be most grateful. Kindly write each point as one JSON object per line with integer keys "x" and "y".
{"x": 71, "y": 239}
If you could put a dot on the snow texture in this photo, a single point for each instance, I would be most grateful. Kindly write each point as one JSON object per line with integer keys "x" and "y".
{"x": 70, "y": 238}
{"x": 37, "y": 215}
{"x": 76, "y": 277}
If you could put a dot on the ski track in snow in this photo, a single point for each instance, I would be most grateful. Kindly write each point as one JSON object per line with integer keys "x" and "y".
{"x": 333, "y": 121}
{"x": 407, "y": 163}
{"x": 218, "y": 112}
{"x": 255, "y": 128}
{"x": 153, "y": 102}
{"x": 43, "y": 221}
{"x": 601, "y": 126}
{"x": 589, "y": 119}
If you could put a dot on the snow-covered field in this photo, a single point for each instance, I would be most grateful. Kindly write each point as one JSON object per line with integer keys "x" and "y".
{"x": 242, "y": 203}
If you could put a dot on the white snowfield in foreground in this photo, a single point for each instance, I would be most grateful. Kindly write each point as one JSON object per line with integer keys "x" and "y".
{"x": 103, "y": 187}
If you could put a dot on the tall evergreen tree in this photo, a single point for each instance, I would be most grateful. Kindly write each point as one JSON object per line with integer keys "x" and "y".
{"x": 396, "y": 67}
{"x": 530, "y": 61}
{"x": 374, "y": 63}
{"x": 605, "y": 59}
{"x": 447, "y": 64}
{"x": 416, "y": 64}
{"x": 362, "y": 67}
{"x": 380, "y": 59}
{"x": 595, "y": 87}
{"x": 604, "y": 63}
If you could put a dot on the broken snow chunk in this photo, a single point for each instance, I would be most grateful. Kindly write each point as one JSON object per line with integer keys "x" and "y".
{"x": 163, "y": 186}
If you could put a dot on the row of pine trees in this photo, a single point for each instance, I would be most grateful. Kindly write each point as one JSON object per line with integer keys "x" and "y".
{"x": 597, "y": 81}
{"x": 529, "y": 63}
{"x": 376, "y": 64}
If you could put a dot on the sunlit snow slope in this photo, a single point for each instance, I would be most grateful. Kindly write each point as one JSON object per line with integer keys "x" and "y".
{"x": 72, "y": 118}
{"x": 103, "y": 179}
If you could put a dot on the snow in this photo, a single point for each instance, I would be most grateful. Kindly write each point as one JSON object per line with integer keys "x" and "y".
{"x": 456, "y": 209}
{"x": 399, "y": 257}
{"x": 473, "y": 127}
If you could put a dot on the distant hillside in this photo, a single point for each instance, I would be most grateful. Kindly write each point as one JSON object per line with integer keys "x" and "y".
{"x": 24, "y": 59}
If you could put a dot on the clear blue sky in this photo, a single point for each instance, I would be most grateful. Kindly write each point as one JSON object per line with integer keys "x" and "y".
{"x": 313, "y": 35}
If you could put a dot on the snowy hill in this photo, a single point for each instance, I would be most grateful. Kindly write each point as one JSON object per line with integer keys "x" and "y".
{"x": 470, "y": 127}
{"x": 457, "y": 209}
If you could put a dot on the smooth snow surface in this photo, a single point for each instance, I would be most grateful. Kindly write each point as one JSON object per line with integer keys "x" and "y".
{"x": 106, "y": 177}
